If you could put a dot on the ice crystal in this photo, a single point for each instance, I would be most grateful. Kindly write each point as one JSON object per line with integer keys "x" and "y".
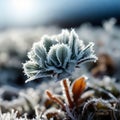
{"x": 57, "y": 56}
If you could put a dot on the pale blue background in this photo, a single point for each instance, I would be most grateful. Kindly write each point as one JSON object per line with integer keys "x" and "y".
{"x": 56, "y": 11}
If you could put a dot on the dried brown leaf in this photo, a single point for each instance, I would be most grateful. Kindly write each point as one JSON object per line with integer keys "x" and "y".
{"x": 78, "y": 87}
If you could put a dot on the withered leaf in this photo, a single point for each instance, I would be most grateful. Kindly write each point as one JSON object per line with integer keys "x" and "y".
{"x": 78, "y": 87}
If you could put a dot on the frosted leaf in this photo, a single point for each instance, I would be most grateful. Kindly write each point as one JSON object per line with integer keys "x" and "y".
{"x": 64, "y": 37}
{"x": 52, "y": 58}
{"x": 74, "y": 44}
{"x": 40, "y": 75}
{"x": 40, "y": 51}
{"x": 63, "y": 54}
{"x": 30, "y": 68}
{"x": 91, "y": 58}
{"x": 33, "y": 56}
{"x": 87, "y": 51}
{"x": 48, "y": 42}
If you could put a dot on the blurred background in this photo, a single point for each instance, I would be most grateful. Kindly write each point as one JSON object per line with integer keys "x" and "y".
{"x": 23, "y": 22}
{"x": 36, "y": 13}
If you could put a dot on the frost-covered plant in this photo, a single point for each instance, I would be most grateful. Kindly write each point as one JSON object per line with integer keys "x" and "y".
{"x": 57, "y": 56}
{"x": 100, "y": 109}
{"x": 14, "y": 115}
{"x": 77, "y": 106}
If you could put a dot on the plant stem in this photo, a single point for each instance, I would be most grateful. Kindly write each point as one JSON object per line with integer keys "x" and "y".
{"x": 66, "y": 91}
{"x": 55, "y": 99}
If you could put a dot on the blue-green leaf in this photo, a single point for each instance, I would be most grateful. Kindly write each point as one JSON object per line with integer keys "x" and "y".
{"x": 74, "y": 44}
{"x": 52, "y": 58}
{"x": 40, "y": 51}
{"x": 63, "y": 54}
{"x": 48, "y": 42}
{"x": 64, "y": 37}
{"x": 30, "y": 68}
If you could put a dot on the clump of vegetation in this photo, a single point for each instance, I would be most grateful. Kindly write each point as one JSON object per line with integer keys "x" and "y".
{"x": 72, "y": 101}
{"x": 56, "y": 58}
{"x": 86, "y": 107}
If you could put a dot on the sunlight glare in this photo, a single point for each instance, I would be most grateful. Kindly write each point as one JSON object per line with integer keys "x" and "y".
{"x": 22, "y": 9}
